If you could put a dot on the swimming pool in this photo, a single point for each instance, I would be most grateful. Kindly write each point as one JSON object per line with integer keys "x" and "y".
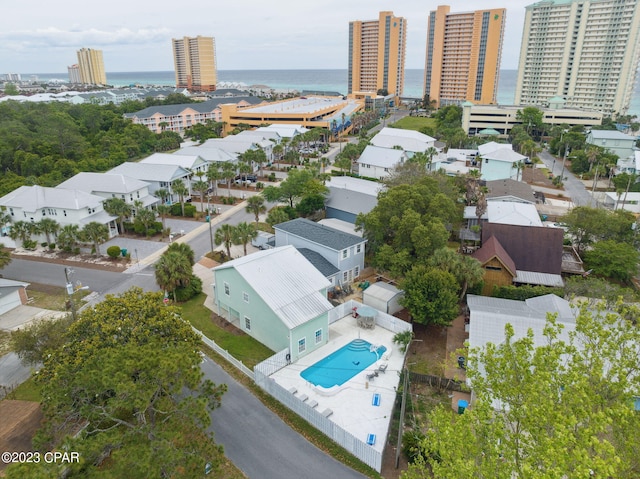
{"x": 341, "y": 365}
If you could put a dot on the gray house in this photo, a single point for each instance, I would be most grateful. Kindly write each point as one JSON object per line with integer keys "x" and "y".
{"x": 343, "y": 250}
{"x": 615, "y": 141}
{"x": 348, "y": 197}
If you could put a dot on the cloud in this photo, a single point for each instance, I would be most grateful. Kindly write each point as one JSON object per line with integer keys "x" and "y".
{"x": 52, "y": 37}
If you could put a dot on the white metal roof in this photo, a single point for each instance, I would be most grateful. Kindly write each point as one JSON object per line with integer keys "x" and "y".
{"x": 408, "y": 140}
{"x": 285, "y": 280}
{"x": 211, "y": 154}
{"x": 611, "y": 135}
{"x": 366, "y": 187}
{"x": 533, "y": 277}
{"x": 103, "y": 182}
{"x": 381, "y": 157}
{"x": 513, "y": 213}
{"x": 175, "y": 159}
{"x": 383, "y": 291}
{"x": 493, "y": 146}
{"x": 150, "y": 172}
{"x": 33, "y": 198}
{"x": 285, "y": 131}
{"x": 504, "y": 154}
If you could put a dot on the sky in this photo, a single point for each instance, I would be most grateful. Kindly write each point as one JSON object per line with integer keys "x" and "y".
{"x": 41, "y": 36}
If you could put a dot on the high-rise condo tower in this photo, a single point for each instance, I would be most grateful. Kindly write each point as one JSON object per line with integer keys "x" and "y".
{"x": 195, "y": 63}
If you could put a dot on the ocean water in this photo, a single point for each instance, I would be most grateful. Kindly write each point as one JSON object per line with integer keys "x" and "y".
{"x": 289, "y": 80}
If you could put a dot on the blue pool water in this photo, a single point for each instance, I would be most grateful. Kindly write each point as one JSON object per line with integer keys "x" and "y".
{"x": 341, "y": 365}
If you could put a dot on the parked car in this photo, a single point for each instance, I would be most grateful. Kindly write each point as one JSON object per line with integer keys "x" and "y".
{"x": 245, "y": 179}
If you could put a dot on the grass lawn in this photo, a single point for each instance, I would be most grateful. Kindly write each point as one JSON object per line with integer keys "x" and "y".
{"x": 27, "y": 391}
{"x": 415, "y": 122}
{"x": 241, "y": 346}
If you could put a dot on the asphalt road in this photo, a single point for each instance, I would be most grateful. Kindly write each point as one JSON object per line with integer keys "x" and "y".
{"x": 573, "y": 186}
{"x": 259, "y": 443}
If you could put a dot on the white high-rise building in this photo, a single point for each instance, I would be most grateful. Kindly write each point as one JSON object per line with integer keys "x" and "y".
{"x": 584, "y": 51}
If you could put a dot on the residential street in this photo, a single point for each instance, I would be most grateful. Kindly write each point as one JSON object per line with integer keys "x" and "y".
{"x": 260, "y": 443}
{"x": 574, "y": 188}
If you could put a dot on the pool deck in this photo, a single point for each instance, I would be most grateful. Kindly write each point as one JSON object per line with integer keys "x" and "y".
{"x": 351, "y": 403}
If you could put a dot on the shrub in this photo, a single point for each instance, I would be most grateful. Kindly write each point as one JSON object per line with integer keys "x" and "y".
{"x": 76, "y": 250}
{"x": 526, "y": 291}
{"x": 52, "y": 246}
{"x": 185, "y": 293}
{"x": 189, "y": 210}
{"x": 30, "y": 244}
{"x": 259, "y": 185}
{"x": 113, "y": 251}
{"x": 44, "y": 244}
{"x": 411, "y": 445}
{"x": 176, "y": 209}
{"x": 128, "y": 227}
{"x": 272, "y": 177}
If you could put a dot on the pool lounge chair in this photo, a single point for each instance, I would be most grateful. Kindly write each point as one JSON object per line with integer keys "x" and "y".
{"x": 372, "y": 375}
{"x": 327, "y": 412}
{"x": 371, "y": 439}
{"x": 313, "y": 403}
{"x": 375, "y": 401}
{"x": 293, "y": 390}
{"x": 303, "y": 398}
{"x": 382, "y": 368}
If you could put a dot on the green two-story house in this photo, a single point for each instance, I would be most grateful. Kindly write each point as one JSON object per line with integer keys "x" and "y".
{"x": 276, "y": 296}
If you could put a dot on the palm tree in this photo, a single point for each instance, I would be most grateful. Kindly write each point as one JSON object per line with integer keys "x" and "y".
{"x": 163, "y": 211}
{"x": 163, "y": 194}
{"x": 228, "y": 173}
{"x": 5, "y": 256}
{"x": 225, "y": 235}
{"x": 201, "y": 188}
{"x": 172, "y": 271}
{"x": 95, "y": 233}
{"x": 430, "y": 152}
{"x": 255, "y": 205}
{"x": 519, "y": 166}
{"x": 185, "y": 250}
{"x": 244, "y": 233}
{"x": 213, "y": 175}
{"x": 49, "y": 227}
{"x": 21, "y": 230}
{"x": 181, "y": 190}
{"x": 146, "y": 218}
{"x": 69, "y": 237}
{"x": 120, "y": 208}
{"x": 277, "y": 152}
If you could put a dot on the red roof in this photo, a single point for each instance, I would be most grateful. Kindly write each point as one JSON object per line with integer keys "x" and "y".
{"x": 493, "y": 249}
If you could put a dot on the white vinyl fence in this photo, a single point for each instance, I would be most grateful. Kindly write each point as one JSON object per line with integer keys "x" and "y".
{"x": 384, "y": 320}
{"x": 355, "y": 446}
{"x": 225, "y": 354}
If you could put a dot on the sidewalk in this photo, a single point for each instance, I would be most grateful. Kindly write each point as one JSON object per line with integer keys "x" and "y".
{"x": 153, "y": 257}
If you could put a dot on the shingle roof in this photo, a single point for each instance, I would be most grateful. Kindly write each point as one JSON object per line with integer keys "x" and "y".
{"x": 324, "y": 235}
{"x": 509, "y": 187}
{"x": 531, "y": 248}
{"x": 286, "y": 281}
{"x": 493, "y": 249}
{"x": 320, "y": 263}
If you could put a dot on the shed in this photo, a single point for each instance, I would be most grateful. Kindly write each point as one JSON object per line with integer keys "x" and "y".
{"x": 383, "y": 297}
{"x": 12, "y": 294}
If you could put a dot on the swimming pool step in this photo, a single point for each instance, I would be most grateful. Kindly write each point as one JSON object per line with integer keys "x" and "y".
{"x": 359, "y": 345}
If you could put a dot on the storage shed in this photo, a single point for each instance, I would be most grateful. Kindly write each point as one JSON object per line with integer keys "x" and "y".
{"x": 384, "y": 297}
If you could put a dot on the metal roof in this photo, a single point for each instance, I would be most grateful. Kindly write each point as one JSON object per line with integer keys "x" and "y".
{"x": 493, "y": 146}
{"x": 286, "y": 281}
{"x": 150, "y": 172}
{"x": 383, "y": 291}
{"x": 382, "y": 157}
{"x": 371, "y": 188}
{"x": 177, "y": 159}
{"x": 534, "y": 277}
{"x": 32, "y": 198}
{"x": 210, "y": 154}
{"x": 317, "y": 233}
{"x": 513, "y": 213}
{"x": 610, "y": 135}
{"x": 353, "y": 202}
{"x": 103, "y": 182}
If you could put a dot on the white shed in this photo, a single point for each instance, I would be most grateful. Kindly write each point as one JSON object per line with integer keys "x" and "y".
{"x": 384, "y": 297}
{"x": 12, "y": 294}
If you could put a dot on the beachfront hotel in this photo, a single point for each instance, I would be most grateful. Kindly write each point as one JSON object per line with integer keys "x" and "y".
{"x": 195, "y": 63}
{"x": 376, "y": 54}
{"x": 91, "y": 67}
{"x": 585, "y": 51}
{"x": 463, "y": 55}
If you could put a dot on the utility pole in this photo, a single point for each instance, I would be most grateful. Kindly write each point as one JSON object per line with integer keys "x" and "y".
{"x": 210, "y": 231}
{"x": 70, "y": 291}
{"x": 405, "y": 385}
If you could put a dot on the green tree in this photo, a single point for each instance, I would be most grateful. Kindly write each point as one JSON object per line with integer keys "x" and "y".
{"x": 33, "y": 342}
{"x": 120, "y": 208}
{"x": 256, "y": 206}
{"x": 145, "y": 218}
{"x": 468, "y": 271}
{"x": 244, "y": 233}
{"x": 431, "y": 295}
{"x": 225, "y": 235}
{"x": 180, "y": 189}
{"x": 173, "y": 270}
{"x": 213, "y": 175}
{"x": 10, "y": 89}
{"x": 49, "y": 227}
{"x": 21, "y": 230}
{"x": 531, "y": 119}
{"x": 299, "y": 183}
{"x": 163, "y": 210}
{"x": 344, "y": 163}
{"x": 5, "y": 256}
{"x": 69, "y": 237}
{"x": 185, "y": 250}
{"x": 95, "y": 233}
{"x": 277, "y": 216}
{"x": 612, "y": 259}
{"x": 561, "y": 409}
{"x": 129, "y": 372}
{"x": 163, "y": 194}
{"x": 201, "y": 188}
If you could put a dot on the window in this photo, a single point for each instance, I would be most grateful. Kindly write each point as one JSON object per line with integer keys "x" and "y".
{"x": 358, "y": 248}
{"x": 356, "y": 271}
{"x": 227, "y": 290}
{"x": 302, "y": 345}
{"x": 318, "y": 336}
{"x": 345, "y": 276}
{"x": 245, "y": 296}
{"x": 247, "y": 323}
{"x": 345, "y": 253}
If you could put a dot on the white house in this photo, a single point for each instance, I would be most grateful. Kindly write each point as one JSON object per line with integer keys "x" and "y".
{"x": 237, "y": 146}
{"x": 284, "y": 131}
{"x": 158, "y": 176}
{"x": 410, "y": 141}
{"x": 630, "y": 164}
{"x": 108, "y": 185}
{"x": 377, "y": 162}
{"x": 192, "y": 163}
{"x": 626, "y": 201}
{"x": 67, "y": 207}
{"x": 500, "y": 163}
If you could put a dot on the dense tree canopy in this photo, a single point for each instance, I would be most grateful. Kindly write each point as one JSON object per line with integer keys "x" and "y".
{"x": 431, "y": 295}
{"x": 121, "y": 377}
{"x": 50, "y": 142}
{"x": 563, "y": 409}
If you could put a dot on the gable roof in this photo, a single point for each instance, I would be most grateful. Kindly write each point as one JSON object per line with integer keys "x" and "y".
{"x": 184, "y": 161}
{"x": 532, "y": 248}
{"x": 210, "y": 154}
{"x": 408, "y": 140}
{"x": 382, "y": 157}
{"x": 317, "y": 233}
{"x": 504, "y": 154}
{"x": 150, "y": 172}
{"x": 610, "y": 135}
{"x": 513, "y": 213}
{"x": 508, "y": 187}
{"x": 319, "y": 261}
{"x": 493, "y": 249}
{"x": 103, "y": 182}
{"x": 493, "y": 146}
{"x": 203, "y": 107}
{"x": 286, "y": 281}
